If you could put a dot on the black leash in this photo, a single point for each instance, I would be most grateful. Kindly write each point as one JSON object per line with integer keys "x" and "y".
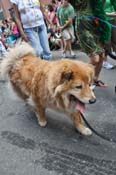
{"x": 112, "y": 56}
{"x": 94, "y": 131}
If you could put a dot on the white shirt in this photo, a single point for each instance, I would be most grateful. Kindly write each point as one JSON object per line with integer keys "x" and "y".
{"x": 30, "y": 13}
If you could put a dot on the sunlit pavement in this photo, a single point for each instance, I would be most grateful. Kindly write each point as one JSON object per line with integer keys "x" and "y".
{"x": 27, "y": 149}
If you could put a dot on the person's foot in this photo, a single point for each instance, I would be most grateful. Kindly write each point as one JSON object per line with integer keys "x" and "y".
{"x": 107, "y": 65}
{"x": 64, "y": 54}
{"x": 100, "y": 83}
{"x": 114, "y": 53}
{"x": 72, "y": 54}
{"x": 68, "y": 54}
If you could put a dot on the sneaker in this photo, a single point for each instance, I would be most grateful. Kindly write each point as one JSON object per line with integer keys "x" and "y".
{"x": 68, "y": 54}
{"x": 107, "y": 65}
{"x": 114, "y": 53}
{"x": 64, "y": 54}
{"x": 72, "y": 54}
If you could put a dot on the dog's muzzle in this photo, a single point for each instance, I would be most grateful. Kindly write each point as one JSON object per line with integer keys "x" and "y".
{"x": 93, "y": 100}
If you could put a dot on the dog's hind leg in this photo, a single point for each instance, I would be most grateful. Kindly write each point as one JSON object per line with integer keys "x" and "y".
{"x": 40, "y": 114}
{"x": 17, "y": 91}
{"x": 78, "y": 123}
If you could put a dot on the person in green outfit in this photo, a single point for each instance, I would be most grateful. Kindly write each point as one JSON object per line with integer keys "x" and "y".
{"x": 110, "y": 10}
{"x": 93, "y": 33}
{"x": 65, "y": 15}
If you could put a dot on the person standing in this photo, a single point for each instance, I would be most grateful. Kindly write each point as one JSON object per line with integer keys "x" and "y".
{"x": 29, "y": 17}
{"x": 93, "y": 33}
{"x": 110, "y": 10}
{"x": 65, "y": 15}
{"x": 54, "y": 4}
{"x": 52, "y": 15}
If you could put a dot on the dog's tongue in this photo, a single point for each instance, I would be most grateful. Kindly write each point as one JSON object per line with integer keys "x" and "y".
{"x": 80, "y": 107}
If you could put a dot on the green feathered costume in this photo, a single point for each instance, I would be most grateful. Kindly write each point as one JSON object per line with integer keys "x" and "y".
{"x": 113, "y": 2}
{"x": 92, "y": 26}
{"x": 104, "y": 28}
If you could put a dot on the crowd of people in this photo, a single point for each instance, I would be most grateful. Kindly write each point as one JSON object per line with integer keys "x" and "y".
{"x": 8, "y": 35}
{"x": 51, "y": 27}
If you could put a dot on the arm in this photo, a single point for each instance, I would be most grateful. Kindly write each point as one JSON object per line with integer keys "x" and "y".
{"x": 44, "y": 12}
{"x": 113, "y": 14}
{"x": 69, "y": 20}
{"x": 67, "y": 23}
{"x": 18, "y": 22}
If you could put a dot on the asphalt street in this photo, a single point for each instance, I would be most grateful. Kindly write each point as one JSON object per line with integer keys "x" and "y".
{"x": 57, "y": 149}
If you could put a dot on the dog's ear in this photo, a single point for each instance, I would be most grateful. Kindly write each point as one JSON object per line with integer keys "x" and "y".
{"x": 66, "y": 76}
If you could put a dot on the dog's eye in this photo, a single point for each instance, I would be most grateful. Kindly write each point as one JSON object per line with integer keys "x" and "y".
{"x": 79, "y": 87}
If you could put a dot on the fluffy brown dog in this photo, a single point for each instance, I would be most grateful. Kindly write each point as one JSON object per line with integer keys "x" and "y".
{"x": 63, "y": 84}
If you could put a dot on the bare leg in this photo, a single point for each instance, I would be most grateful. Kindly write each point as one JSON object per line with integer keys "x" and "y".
{"x": 98, "y": 68}
{"x": 97, "y": 61}
{"x": 78, "y": 123}
{"x": 69, "y": 46}
{"x": 61, "y": 43}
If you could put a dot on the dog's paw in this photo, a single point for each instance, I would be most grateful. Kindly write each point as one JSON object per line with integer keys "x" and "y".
{"x": 42, "y": 124}
{"x": 85, "y": 131}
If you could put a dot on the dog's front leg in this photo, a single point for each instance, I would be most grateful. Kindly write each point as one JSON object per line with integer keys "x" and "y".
{"x": 40, "y": 114}
{"x": 78, "y": 123}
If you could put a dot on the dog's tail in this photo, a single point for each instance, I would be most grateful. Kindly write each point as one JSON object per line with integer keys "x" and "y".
{"x": 13, "y": 56}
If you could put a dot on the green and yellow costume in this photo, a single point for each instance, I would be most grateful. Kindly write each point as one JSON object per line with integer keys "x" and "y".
{"x": 91, "y": 30}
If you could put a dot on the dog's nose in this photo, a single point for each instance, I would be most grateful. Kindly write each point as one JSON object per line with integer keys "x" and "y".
{"x": 93, "y": 100}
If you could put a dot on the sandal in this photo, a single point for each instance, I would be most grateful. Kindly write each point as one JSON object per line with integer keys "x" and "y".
{"x": 100, "y": 83}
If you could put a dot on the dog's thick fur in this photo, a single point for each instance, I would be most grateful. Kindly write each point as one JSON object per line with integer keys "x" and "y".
{"x": 63, "y": 84}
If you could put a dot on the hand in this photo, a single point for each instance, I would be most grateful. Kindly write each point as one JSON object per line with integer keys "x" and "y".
{"x": 24, "y": 37}
{"x": 60, "y": 28}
